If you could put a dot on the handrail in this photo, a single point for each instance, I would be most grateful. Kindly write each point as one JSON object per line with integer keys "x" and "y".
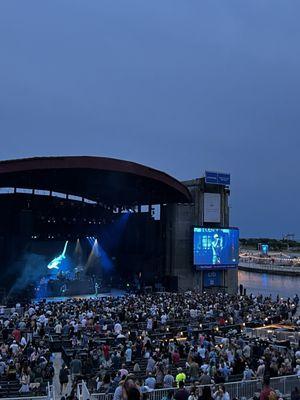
{"x": 283, "y": 384}
{"x": 85, "y": 391}
{"x": 50, "y": 392}
{"x": 26, "y": 398}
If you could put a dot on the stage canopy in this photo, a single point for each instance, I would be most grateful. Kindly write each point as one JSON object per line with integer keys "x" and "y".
{"x": 110, "y": 181}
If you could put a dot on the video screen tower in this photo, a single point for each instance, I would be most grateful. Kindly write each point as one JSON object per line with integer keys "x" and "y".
{"x": 202, "y": 248}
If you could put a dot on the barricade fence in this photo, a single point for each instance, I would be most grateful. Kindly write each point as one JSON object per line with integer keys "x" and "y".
{"x": 26, "y": 398}
{"x": 242, "y": 389}
{"x": 50, "y": 392}
{"x": 266, "y": 332}
{"x": 50, "y": 395}
{"x": 83, "y": 392}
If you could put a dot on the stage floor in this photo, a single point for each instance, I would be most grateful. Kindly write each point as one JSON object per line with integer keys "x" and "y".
{"x": 112, "y": 293}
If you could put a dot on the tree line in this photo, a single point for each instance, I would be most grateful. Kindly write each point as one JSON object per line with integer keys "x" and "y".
{"x": 274, "y": 244}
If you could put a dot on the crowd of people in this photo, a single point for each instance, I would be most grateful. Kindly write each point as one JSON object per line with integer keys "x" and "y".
{"x": 25, "y": 355}
{"x": 131, "y": 345}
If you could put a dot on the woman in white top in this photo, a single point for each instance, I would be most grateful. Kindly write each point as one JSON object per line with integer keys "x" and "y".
{"x": 25, "y": 380}
{"x": 221, "y": 394}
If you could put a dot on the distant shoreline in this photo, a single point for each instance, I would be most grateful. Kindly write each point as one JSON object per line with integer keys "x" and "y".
{"x": 269, "y": 269}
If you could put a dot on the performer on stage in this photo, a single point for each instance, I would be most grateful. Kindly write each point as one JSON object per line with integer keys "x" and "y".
{"x": 96, "y": 288}
{"x": 63, "y": 289}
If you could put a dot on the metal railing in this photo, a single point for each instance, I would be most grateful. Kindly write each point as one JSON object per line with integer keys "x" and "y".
{"x": 246, "y": 389}
{"x": 269, "y": 267}
{"x": 50, "y": 392}
{"x": 83, "y": 392}
{"x": 280, "y": 334}
{"x": 26, "y": 398}
{"x": 50, "y": 395}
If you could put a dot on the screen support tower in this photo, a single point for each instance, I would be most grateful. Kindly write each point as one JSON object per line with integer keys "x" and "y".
{"x": 209, "y": 209}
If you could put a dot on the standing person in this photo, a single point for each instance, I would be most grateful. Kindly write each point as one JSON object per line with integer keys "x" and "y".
{"x": 260, "y": 370}
{"x": 16, "y": 333}
{"x": 58, "y": 328}
{"x": 14, "y": 347}
{"x": 266, "y": 390}
{"x": 194, "y": 371}
{"x": 182, "y": 393}
{"x": 150, "y": 364}
{"x": 128, "y": 354}
{"x": 63, "y": 378}
{"x": 221, "y": 394}
{"x": 117, "y": 328}
{"x": 168, "y": 380}
{"x": 25, "y": 380}
{"x": 193, "y": 394}
{"x": 150, "y": 381}
{"x": 175, "y": 357}
{"x": 123, "y": 371}
{"x": 159, "y": 374}
{"x": 118, "y": 391}
{"x": 96, "y": 289}
{"x": 206, "y": 394}
{"x": 241, "y": 289}
{"x": 295, "y": 395}
{"x": 75, "y": 368}
{"x": 106, "y": 349}
{"x": 248, "y": 374}
{"x": 180, "y": 377}
{"x": 205, "y": 379}
{"x": 149, "y": 324}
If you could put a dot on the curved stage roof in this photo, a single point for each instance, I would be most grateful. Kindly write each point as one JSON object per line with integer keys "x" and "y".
{"x": 108, "y": 180}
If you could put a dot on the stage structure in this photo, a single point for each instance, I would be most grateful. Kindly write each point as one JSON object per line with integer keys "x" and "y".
{"x": 73, "y": 225}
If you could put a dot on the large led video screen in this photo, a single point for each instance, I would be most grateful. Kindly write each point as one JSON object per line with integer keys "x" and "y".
{"x": 216, "y": 247}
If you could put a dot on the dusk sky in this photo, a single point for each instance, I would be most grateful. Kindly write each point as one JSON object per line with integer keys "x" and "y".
{"x": 182, "y": 86}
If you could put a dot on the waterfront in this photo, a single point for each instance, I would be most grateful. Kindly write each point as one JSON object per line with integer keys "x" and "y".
{"x": 266, "y": 284}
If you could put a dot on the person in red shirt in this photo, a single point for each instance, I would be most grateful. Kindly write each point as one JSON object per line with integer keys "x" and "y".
{"x": 97, "y": 327}
{"x": 266, "y": 390}
{"x": 16, "y": 334}
{"x": 175, "y": 357}
{"x": 106, "y": 351}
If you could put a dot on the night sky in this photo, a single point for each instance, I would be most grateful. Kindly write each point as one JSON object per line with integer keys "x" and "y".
{"x": 182, "y": 86}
